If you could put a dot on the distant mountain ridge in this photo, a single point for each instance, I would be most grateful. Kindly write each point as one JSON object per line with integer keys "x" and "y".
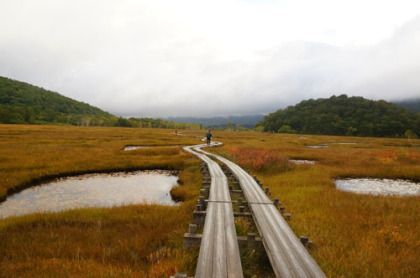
{"x": 221, "y": 122}
{"x": 412, "y": 104}
{"x": 343, "y": 115}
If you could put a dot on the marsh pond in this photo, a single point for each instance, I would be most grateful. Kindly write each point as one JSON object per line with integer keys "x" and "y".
{"x": 386, "y": 187}
{"x": 93, "y": 190}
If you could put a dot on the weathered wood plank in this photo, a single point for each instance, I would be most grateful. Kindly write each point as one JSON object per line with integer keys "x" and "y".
{"x": 234, "y": 268}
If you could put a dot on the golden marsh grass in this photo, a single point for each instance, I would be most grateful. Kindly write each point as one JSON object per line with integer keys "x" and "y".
{"x": 354, "y": 235}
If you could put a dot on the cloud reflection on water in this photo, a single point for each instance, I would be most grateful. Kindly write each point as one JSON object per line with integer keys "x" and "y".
{"x": 94, "y": 190}
{"x": 379, "y": 186}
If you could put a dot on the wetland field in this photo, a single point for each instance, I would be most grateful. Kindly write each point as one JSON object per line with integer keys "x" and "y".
{"x": 354, "y": 235}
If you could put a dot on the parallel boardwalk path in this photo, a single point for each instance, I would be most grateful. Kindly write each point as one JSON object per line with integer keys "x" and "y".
{"x": 219, "y": 250}
{"x": 288, "y": 256}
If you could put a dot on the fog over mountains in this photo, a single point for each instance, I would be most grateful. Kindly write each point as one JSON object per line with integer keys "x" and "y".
{"x": 211, "y": 58}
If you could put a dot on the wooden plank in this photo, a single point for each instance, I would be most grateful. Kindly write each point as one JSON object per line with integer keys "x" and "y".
{"x": 234, "y": 268}
{"x": 219, "y": 258}
{"x": 288, "y": 253}
{"x": 204, "y": 264}
{"x": 310, "y": 266}
{"x": 276, "y": 255}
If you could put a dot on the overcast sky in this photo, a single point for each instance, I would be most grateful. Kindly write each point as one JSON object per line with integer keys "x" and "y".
{"x": 162, "y": 58}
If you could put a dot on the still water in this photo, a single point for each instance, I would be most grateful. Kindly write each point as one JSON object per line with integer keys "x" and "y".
{"x": 302, "y": 161}
{"x": 379, "y": 186}
{"x": 132, "y": 148}
{"x": 93, "y": 190}
{"x": 322, "y": 146}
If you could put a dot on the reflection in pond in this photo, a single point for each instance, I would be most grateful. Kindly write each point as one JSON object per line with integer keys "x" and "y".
{"x": 321, "y": 146}
{"x": 343, "y": 143}
{"x": 132, "y": 148}
{"x": 302, "y": 161}
{"x": 318, "y": 146}
{"x": 379, "y": 186}
{"x": 94, "y": 190}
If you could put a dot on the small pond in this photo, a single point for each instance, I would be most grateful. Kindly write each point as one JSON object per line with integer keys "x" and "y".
{"x": 322, "y": 146}
{"x": 325, "y": 145}
{"x": 379, "y": 186}
{"x": 93, "y": 190}
{"x": 343, "y": 143}
{"x": 132, "y": 148}
{"x": 302, "y": 161}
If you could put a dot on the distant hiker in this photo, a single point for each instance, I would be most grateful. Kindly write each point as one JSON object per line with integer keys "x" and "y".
{"x": 208, "y": 136}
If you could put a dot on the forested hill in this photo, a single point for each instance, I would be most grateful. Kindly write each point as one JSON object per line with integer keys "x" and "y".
{"x": 342, "y": 115}
{"x": 22, "y": 103}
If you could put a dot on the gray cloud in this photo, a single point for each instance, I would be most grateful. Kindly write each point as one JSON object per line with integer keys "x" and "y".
{"x": 141, "y": 60}
{"x": 300, "y": 70}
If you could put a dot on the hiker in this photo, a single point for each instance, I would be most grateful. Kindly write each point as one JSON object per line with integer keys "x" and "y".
{"x": 208, "y": 136}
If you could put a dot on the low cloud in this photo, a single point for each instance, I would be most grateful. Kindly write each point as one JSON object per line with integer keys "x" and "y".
{"x": 149, "y": 62}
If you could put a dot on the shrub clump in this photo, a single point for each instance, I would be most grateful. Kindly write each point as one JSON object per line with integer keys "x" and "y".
{"x": 259, "y": 160}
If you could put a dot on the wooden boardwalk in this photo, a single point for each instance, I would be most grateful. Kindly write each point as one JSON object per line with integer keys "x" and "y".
{"x": 288, "y": 256}
{"x": 219, "y": 250}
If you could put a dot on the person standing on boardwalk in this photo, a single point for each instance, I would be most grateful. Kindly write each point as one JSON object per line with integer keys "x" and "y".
{"x": 208, "y": 136}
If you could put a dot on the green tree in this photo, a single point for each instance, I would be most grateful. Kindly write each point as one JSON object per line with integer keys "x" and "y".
{"x": 122, "y": 122}
{"x": 229, "y": 125}
{"x": 286, "y": 129}
{"x": 409, "y": 134}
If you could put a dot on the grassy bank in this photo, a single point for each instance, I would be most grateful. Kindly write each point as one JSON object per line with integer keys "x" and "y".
{"x": 355, "y": 235}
